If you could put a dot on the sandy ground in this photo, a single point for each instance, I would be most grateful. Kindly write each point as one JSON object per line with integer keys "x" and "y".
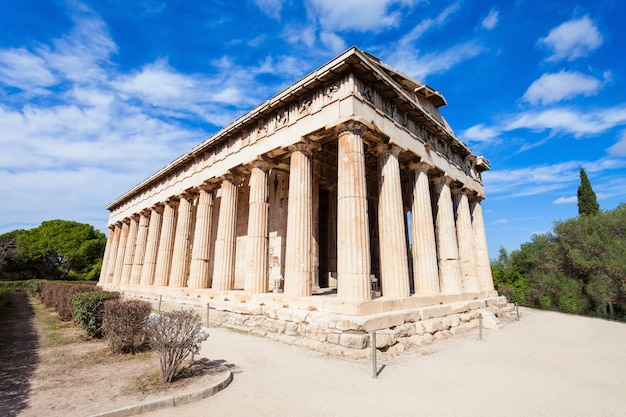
{"x": 547, "y": 364}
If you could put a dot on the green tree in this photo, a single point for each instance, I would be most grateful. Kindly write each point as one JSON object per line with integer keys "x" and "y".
{"x": 57, "y": 249}
{"x": 587, "y": 202}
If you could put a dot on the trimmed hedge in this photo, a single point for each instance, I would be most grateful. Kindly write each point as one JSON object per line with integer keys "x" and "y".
{"x": 89, "y": 310}
{"x": 31, "y": 286}
{"x": 124, "y": 324}
{"x": 60, "y": 296}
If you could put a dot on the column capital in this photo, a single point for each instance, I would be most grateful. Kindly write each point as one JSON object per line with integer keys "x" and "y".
{"x": 354, "y": 127}
{"x": 261, "y": 163}
{"x": 442, "y": 179}
{"x": 422, "y": 166}
{"x": 305, "y": 146}
{"x": 387, "y": 148}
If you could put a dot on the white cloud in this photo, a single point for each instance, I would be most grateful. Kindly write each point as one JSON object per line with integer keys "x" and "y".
{"x": 566, "y": 200}
{"x": 271, "y": 8}
{"x": 356, "y": 15}
{"x": 429, "y": 23}
{"x": 333, "y": 42}
{"x": 573, "y": 39}
{"x": 619, "y": 148}
{"x": 480, "y": 133}
{"x": 22, "y": 69}
{"x": 550, "y": 88}
{"x": 491, "y": 21}
{"x": 570, "y": 121}
{"x": 532, "y": 180}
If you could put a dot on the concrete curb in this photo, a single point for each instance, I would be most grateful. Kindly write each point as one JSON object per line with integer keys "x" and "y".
{"x": 172, "y": 401}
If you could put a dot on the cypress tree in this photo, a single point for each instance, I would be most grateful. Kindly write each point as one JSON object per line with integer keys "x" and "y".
{"x": 587, "y": 203}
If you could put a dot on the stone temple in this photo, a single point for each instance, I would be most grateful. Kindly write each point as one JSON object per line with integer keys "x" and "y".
{"x": 342, "y": 205}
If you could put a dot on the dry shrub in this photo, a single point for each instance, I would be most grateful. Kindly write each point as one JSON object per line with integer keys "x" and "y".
{"x": 60, "y": 296}
{"x": 124, "y": 324}
{"x": 175, "y": 336}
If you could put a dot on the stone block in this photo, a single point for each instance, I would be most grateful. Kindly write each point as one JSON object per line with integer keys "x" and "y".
{"x": 396, "y": 349}
{"x": 315, "y": 332}
{"x": 443, "y": 334}
{"x": 354, "y": 340}
{"x": 333, "y": 338}
{"x": 433, "y": 325}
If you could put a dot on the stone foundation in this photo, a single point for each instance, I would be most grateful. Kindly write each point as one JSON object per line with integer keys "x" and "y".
{"x": 323, "y": 323}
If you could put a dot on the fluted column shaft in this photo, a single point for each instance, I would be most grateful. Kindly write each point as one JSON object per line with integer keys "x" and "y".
{"x": 465, "y": 238}
{"x": 257, "y": 276}
{"x": 121, "y": 249}
{"x": 448, "y": 253}
{"x": 483, "y": 266}
{"x": 140, "y": 249}
{"x": 105, "y": 257}
{"x": 201, "y": 252}
{"x": 394, "y": 264}
{"x": 117, "y": 233}
{"x": 353, "y": 246}
{"x": 152, "y": 245}
{"x": 224, "y": 269}
{"x": 424, "y": 247}
{"x": 166, "y": 245}
{"x": 181, "y": 255}
{"x": 129, "y": 252}
{"x": 298, "y": 255}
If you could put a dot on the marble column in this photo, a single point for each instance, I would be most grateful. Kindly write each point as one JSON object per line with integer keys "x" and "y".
{"x": 483, "y": 266}
{"x": 121, "y": 249}
{"x": 465, "y": 239}
{"x": 299, "y": 256}
{"x": 394, "y": 264}
{"x": 257, "y": 275}
{"x": 181, "y": 255}
{"x": 129, "y": 252}
{"x": 201, "y": 252}
{"x": 224, "y": 268}
{"x": 140, "y": 248}
{"x": 152, "y": 245}
{"x": 448, "y": 252}
{"x": 424, "y": 247}
{"x": 166, "y": 245}
{"x": 117, "y": 232}
{"x": 353, "y": 244}
{"x": 105, "y": 257}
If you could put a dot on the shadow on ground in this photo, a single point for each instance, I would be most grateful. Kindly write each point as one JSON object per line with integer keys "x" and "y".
{"x": 18, "y": 354}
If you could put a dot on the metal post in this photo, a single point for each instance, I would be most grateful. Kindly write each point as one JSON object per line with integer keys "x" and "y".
{"x": 374, "y": 366}
{"x": 480, "y": 326}
{"x": 517, "y": 310}
{"x": 160, "y": 298}
{"x": 207, "y": 315}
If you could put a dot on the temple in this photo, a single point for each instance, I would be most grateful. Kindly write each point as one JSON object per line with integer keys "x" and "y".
{"x": 342, "y": 205}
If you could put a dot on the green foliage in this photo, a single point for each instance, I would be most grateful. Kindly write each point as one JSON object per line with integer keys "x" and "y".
{"x": 57, "y": 249}
{"x": 124, "y": 324}
{"x": 89, "y": 310}
{"x": 31, "y": 286}
{"x": 579, "y": 267}
{"x": 587, "y": 202}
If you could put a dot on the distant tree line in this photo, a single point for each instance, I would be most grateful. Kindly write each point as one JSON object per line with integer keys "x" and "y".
{"x": 56, "y": 250}
{"x": 579, "y": 267}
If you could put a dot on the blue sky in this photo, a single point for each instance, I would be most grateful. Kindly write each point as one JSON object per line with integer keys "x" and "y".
{"x": 97, "y": 95}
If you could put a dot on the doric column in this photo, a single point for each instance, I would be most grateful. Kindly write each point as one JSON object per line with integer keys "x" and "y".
{"x": 152, "y": 245}
{"x": 298, "y": 255}
{"x": 257, "y": 275}
{"x": 448, "y": 252}
{"x": 166, "y": 244}
{"x": 424, "y": 248}
{"x": 105, "y": 257}
{"x": 465, "y": 239}
{"x": 353, "y": 247}
{"x": 121, "y": 249}
{"x": 129, "y": 252}
{"x": 394, "y": 264}
{"x": 485, "y": 278}
{"x": 140, "y": 248}
{"x": 201, "y": 252}
{"x": 181, "y": 255}
{"x": 224, "y": 269}
{"x": 111, "y": 264}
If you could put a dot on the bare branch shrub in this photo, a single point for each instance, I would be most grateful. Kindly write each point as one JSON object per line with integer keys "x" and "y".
{"x": 175, "y": 336}
{"x": 124, "y": 324}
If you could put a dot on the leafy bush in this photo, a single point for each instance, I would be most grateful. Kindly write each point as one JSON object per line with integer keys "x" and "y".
{"x": 60, "y": 296}
{"x": 32, "y": 286}
{"x": 124, "y": 324}
{"x": 545, "y": 301}
{"x": 571, "y": 303}
{"x": 89, "y": 310}
{"x": 175, "y": 336}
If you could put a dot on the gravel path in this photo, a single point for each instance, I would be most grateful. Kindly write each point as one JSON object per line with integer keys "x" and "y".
{"x": 547, "y": 364}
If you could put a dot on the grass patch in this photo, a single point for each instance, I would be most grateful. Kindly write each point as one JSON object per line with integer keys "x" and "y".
{"x": 54, "y": 332}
